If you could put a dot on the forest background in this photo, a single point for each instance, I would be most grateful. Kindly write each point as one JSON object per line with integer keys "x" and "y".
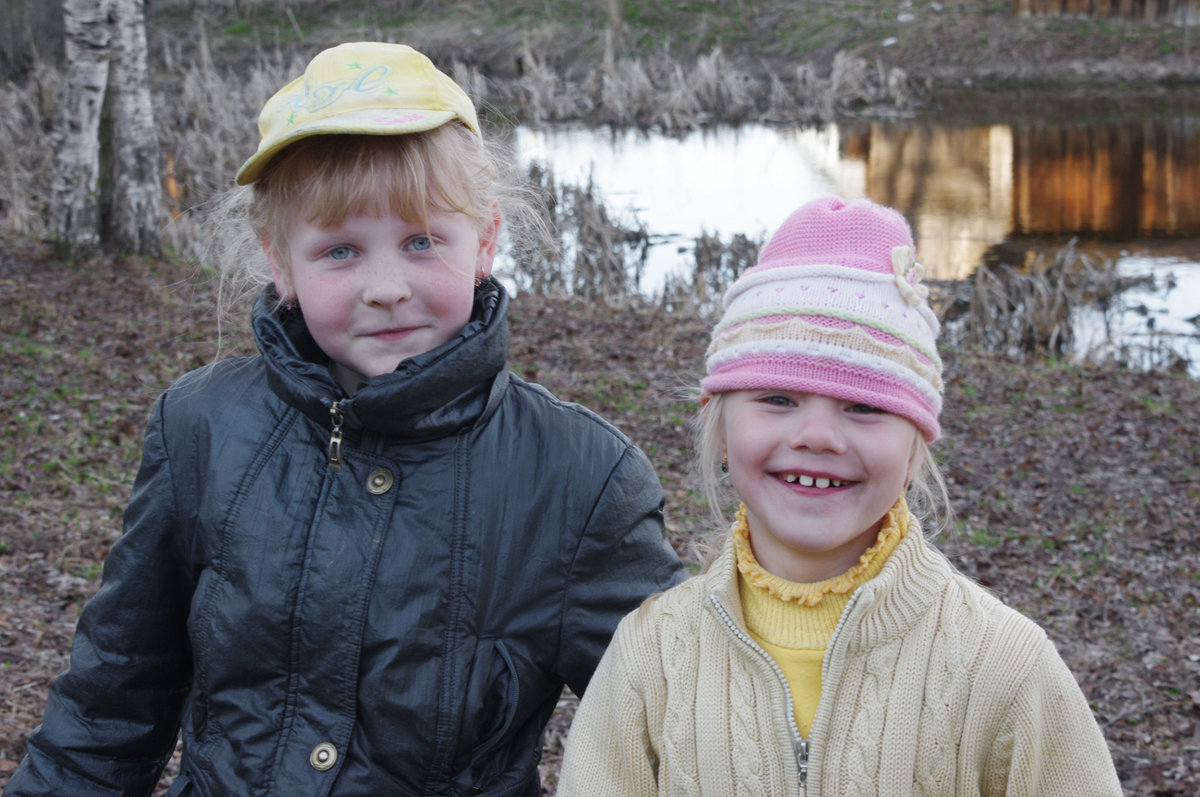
{"x": 1075, "y": 485}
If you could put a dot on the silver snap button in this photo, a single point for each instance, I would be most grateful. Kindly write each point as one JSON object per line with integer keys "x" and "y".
{"x": 379, "y": 481}
{"x": 323, "y": 756}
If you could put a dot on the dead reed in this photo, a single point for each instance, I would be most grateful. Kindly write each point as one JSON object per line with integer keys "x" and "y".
{"x": 661, "y": 93}
{"x": 594, "y": 255}
{"x": 1020, "y": 312}
{"x": 1029, "y": 310}
{"x": 717, "y": 265}
{"x": 25, "y": 161}
{"x": 206, "y": 132}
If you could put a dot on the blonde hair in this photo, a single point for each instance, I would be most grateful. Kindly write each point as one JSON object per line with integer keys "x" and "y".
{"x": 927, "y": 496}
{"x": 331, "y": 177}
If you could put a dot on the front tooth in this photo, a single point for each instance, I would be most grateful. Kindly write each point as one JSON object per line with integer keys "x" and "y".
{"x": 822, "y": 483}
{"x": 806, "y": 481}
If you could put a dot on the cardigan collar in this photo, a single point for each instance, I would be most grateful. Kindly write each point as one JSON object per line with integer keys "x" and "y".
{"x": 885, "y": 607}
{"x": 429, "y": 395}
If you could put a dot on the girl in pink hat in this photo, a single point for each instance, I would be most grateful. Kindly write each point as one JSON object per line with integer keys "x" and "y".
{"x": 828, "y": 648}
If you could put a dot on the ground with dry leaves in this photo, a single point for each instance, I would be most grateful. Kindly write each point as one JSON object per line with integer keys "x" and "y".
{"x": 1076, "y": 489}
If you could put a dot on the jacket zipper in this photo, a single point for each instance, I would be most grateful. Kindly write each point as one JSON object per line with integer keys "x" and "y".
{"x": 335, "y": 436}
{"x": 799, "y": 743}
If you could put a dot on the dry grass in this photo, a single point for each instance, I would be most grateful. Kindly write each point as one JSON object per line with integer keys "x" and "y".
{"x": 718, "y": 264}
{"x": 671, "y": 96}
{"x": 1028, "y": 310}
{"x": 25, "y": 111}
{"x": 593, "y": 256}
{"x": 1021, "y": 312}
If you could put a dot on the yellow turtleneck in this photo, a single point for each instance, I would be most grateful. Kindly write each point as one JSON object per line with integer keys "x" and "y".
{"x": 794, "y": 622}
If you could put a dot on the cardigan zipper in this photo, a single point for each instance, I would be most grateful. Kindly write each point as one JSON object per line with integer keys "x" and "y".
{"x": 838, "y": 629}
{"x": 799, "y": 743}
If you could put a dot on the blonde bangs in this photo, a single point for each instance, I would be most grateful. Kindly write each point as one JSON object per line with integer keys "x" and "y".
{"x": 330, "y": 178}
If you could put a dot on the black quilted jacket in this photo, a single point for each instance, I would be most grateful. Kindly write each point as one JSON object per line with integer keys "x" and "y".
{"x": 396, "y": 619}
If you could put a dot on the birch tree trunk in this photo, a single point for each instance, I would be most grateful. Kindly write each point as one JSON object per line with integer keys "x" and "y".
{"x": 75, "y": 185}
{"x": 132, "y": 211}
{"x": 106, "y": 186}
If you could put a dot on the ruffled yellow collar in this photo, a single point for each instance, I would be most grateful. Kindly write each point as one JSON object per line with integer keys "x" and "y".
{"x": 895, "y": 527}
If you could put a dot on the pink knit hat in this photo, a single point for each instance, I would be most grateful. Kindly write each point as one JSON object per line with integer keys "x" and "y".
{"x": 835, "y": 306}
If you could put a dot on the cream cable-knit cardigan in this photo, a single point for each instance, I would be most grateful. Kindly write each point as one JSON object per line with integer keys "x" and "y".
{"x": 931, "y": 686}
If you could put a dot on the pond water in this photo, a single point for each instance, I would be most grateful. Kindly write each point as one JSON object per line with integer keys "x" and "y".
{"x": 1127, "y": 188}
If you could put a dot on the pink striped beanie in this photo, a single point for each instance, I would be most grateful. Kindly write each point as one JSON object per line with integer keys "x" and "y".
{"x": 835, "y": 306}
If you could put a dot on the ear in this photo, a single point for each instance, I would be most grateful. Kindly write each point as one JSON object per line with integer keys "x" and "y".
{"x": 915, "y": 457}
{"x": 489, "y": 237}
{"x": 705, "y": 398}
{"x": 280, "y": 274}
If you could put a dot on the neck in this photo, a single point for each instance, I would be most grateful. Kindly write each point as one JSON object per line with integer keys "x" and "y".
{"x": 811, "y": 566}
{"x": 814, "y": 567}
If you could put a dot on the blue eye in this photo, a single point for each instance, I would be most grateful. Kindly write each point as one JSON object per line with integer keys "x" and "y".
{"x": 340, "y": 253}
{"x": 421, "y": 243}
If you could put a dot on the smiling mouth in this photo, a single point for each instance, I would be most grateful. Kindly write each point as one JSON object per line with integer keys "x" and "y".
{"x": 391, "y": 334}
{"x": 810, "y": 481}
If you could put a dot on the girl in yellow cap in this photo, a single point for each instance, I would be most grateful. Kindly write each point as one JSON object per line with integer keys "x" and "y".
{"x": 366, "y": 560}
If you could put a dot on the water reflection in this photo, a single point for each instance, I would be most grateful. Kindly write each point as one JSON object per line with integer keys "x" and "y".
{"x": 955, "y": 185}
{"x": 1160, "y": 316}
{"x": 732, "y": 180}
{"x": 1120, "y": 181}
{"x": 968, "y": 189}
{"x": 1130, "y": 191}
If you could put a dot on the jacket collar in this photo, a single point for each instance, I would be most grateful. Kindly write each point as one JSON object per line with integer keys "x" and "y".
{"x": 430, "y": 395}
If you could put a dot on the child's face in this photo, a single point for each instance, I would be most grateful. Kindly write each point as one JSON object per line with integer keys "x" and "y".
{"x": 817, "y": 475}
{"x": 376, "y": 290}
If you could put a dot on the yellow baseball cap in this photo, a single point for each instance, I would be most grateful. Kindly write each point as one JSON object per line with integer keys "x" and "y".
{"x": 367, "y": 88}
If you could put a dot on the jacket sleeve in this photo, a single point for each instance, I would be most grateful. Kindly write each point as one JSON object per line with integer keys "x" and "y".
{"x": 622, "y": 557}
{"x": 610, "y": 749}
{"x": 112, "y": 718}
{"x": 1050, "y": 743}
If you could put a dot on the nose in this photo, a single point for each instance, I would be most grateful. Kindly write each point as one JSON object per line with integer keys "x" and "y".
{"x": 817, "y": 426}
{"x": 386, "y": 282}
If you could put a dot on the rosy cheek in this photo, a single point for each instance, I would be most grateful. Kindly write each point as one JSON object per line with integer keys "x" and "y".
{"x": 320, "y": 299}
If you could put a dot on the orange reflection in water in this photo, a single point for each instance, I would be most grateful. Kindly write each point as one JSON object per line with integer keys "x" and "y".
{"x": 1118, "y": 181}
{"x": 966, "y": 189}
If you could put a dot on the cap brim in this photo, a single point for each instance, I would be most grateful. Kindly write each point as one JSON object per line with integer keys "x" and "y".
{"x": 367, "y": 122}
